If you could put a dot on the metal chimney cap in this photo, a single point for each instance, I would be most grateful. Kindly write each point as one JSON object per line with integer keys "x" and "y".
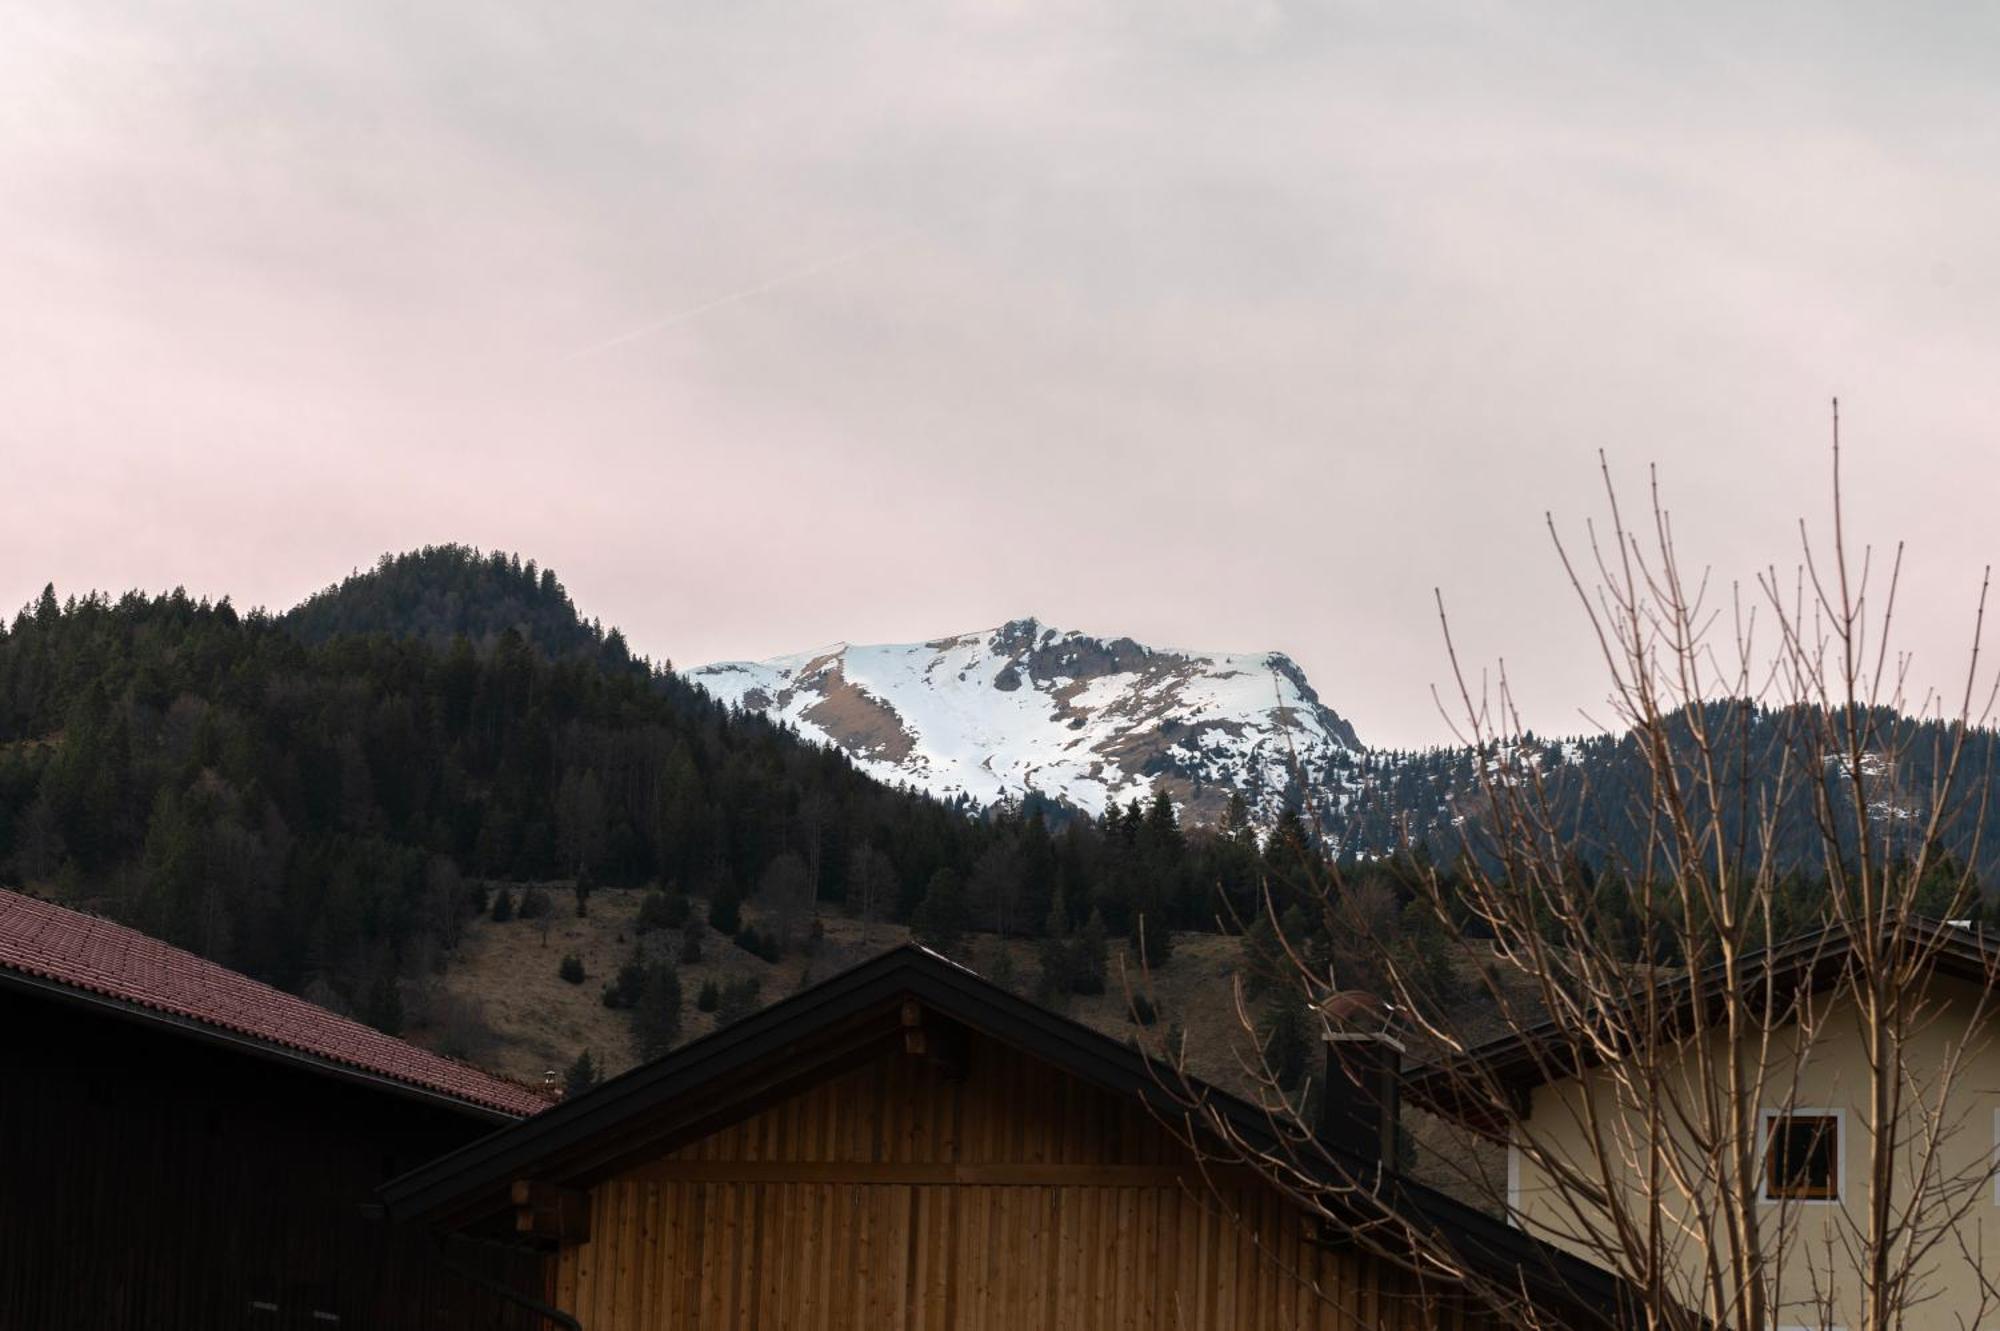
{"x": 1356, "y": 1014}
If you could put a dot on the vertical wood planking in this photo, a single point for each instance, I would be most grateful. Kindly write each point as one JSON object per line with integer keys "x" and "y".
{"x": 903, "y": 1255}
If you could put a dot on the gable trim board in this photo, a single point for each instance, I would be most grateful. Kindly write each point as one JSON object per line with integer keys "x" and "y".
{"x": 878, "y": 1006}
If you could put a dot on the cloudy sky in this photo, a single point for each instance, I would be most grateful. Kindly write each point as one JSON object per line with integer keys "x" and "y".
{"x": 1235, "y": 325}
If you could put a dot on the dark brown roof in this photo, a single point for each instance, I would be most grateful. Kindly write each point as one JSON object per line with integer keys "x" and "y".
{"x": 81, "y": 953}
{"x": 820, "y": 1030}
{"x": 1810, "y": 963}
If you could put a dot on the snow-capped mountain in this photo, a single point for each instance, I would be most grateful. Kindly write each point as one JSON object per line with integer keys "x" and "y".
{"x": 1026, "y": 707}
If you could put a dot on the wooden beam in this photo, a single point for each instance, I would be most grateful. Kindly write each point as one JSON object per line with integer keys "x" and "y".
{"x": 549, "y": 1213}
{"x": 936, "y": 1175}
{"x": 940, "y": 1039}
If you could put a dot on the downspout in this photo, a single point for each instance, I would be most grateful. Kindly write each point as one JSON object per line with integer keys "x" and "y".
{"x": 546, "y": 1311}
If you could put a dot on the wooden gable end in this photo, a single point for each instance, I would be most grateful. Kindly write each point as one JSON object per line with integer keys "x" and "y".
{"x": 984, "y": 1190}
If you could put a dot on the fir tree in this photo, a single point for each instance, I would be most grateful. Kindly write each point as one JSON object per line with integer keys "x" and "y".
{"x": 1037, "y": 868}
{"x": 1288, "y": 1042}
{"x": 656, "y": 1019}
{"x": 581, "y": 1077}
{"x": 1092, "y": 956}
{"x": 385, "y": 1005}
{"x": 941, "y": 918}
{"x": 653, "y": 913}
{"x": 725, "y": 911}
{"x": 738, "y": 1000}
{"x": 625, "y": 989}
{"x": 1057, "y": 954}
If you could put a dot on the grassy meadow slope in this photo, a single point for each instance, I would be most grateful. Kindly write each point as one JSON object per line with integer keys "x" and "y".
{"x": 502, "y": 1003}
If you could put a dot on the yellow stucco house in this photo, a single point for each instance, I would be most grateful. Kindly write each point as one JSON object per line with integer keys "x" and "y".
{"x": 1685, "y": 1141}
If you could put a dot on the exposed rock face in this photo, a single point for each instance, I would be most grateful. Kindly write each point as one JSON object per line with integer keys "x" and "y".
{"x": 1080, "y": 719}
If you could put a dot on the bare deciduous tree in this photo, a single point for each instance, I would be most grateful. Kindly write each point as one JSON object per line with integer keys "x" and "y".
{"x": 1752, "y": 984}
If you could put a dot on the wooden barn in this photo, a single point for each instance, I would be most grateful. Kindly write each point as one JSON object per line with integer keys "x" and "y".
{"x": 182, "y": 1147}
{"x": 909, "y": 1146}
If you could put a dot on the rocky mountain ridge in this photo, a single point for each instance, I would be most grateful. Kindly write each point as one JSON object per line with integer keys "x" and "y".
{"x": 1027, "y": 707}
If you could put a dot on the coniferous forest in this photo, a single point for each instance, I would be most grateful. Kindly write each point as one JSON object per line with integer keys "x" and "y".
{"x": 317, "y": 798}
{"x": 321, "y": 798}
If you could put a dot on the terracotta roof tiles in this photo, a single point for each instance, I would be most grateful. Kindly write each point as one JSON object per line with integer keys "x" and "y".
{"x": 52, "y": 943}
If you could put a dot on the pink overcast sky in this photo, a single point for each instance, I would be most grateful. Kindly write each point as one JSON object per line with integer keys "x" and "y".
{"x": 1229, "y": 325}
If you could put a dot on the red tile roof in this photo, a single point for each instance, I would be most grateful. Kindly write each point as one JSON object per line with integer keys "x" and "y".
{"x": 52, "y": 943}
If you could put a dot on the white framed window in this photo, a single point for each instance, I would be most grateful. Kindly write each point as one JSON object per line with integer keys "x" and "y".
{"x": 1802, "y": 1156}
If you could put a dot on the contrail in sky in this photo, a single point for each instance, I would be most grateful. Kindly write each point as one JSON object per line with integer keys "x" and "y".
{"x": 731, "y": 298}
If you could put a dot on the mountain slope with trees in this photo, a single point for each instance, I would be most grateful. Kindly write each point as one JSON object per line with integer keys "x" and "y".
{"x": 320, "y": 799}
{"x": 324, "y": 798}
{"x": 441, "y": 593}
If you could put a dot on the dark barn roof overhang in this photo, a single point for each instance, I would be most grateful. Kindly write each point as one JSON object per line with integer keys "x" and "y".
{"x": 872, "y": 1008}
{"x": 61, "y": 955}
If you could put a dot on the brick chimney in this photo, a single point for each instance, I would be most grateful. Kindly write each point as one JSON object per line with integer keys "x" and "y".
{"x": 1361, "y": 1102}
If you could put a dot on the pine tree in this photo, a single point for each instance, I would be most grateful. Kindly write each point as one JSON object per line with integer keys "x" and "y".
{"x": 1287, "y": 1042}
{"x": 625, "y": 989}
{"x": 1093, "y": 956}
{"x": 994, "y": 891}
{"x": 871, "y": 878}
{"x": 653, "y": 913}
{"x": 1037, "y": 868}
{"x": 656, "y": 1020}
{"x": 385, "y": 1005}
{"x": 581, "y": 1077}
{"x": 738, "y": 1000}
{"x": 1236, "y": 823}
{"x": 725, "y": 911}
{"x": 1057, "y": 954}
{"x": 941, "y": 918}
{"x": 1162, "y": 830}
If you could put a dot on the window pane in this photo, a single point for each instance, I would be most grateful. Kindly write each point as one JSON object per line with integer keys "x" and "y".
{"x": 1802, "y": 1156}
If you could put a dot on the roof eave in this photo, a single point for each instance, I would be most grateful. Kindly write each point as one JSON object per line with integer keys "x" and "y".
{"x": 128, "y": 1010}
{"x": 479, "y": 1172}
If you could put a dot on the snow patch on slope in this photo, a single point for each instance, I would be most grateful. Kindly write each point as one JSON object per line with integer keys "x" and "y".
{"x": 1024, "y": 707}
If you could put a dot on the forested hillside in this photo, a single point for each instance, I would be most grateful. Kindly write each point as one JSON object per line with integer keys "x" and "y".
{"x": 444, "y": 592}
{"x": 321, "y": 808}
{"x": 324, "y": 798}
{"x": 1598, "y": 791}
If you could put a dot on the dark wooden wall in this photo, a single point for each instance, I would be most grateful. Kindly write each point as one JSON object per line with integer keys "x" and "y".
{"x": 898, "y": 1196}
{"x": 149, "y": 1180}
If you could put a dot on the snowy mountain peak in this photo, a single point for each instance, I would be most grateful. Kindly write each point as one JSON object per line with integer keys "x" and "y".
{"x": 1030, "y": 707}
